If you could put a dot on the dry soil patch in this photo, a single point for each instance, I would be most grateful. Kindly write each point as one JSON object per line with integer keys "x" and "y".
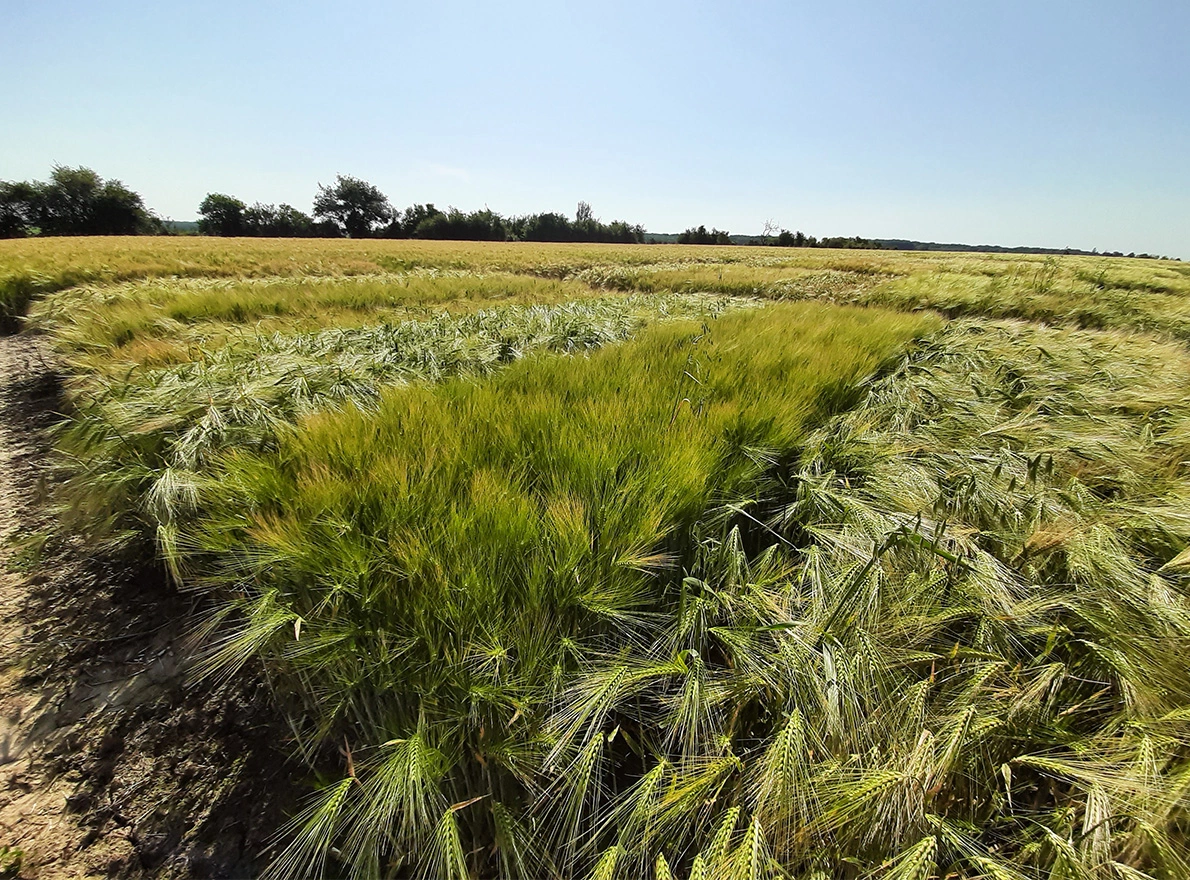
{"x": 110, "y": 765}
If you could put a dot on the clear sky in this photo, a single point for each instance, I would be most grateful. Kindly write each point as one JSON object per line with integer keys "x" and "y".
{"x": 996, "y": 122}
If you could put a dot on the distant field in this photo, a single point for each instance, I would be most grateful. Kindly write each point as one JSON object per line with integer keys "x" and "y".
{"x": 660, "y": 561}
{"x": 1091, "y": 291}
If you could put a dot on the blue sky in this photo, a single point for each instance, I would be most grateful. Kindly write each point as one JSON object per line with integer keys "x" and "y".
{"x": 1041, "y": 123}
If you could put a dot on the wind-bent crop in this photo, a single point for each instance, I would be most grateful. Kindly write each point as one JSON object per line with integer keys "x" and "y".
{"x": 939, "y": 640}
{"x": 142, "y": 437}
{"x": 696, "y": 604}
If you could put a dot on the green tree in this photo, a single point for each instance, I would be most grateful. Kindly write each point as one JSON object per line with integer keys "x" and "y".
{"x": 547, "y": 227}
{"x": 220, "y": 214}
{"x": 67, "y": 200}
{"x": 702, "y": 236}
{"x": 354, "y": 205}
{"x": 18, "y": 206}
{"x": 289, "y": 222}
{"x": 485, "y": 225}
{"x": 117, "y": 210}
{"x": 77, "y": 201}
{"x": 405, "y": 224}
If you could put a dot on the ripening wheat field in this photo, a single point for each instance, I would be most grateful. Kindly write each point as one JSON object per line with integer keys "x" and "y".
{"x": 658, "y": 561}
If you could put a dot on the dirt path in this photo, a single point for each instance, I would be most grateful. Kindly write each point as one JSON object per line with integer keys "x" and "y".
{"x": 109, "y": 766}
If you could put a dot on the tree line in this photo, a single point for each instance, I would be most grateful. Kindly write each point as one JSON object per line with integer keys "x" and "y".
{"x": 357, "y": 209}
{"x": 772, "y": 238}
{"x": 77, "y": 201}
{"x": 785, "y": 238}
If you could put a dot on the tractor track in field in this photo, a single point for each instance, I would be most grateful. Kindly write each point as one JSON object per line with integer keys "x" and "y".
{"x": 110, "y": 766}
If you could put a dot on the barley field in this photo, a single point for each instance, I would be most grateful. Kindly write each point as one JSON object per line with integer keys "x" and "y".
{"x": 660, "y": 561}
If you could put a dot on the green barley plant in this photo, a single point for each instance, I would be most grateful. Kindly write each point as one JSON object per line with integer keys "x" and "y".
{"x": 491, "y": 567}
{"x": 141, "y": 438}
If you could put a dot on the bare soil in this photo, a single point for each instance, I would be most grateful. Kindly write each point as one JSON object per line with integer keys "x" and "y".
{"x": 112, "y": 764}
